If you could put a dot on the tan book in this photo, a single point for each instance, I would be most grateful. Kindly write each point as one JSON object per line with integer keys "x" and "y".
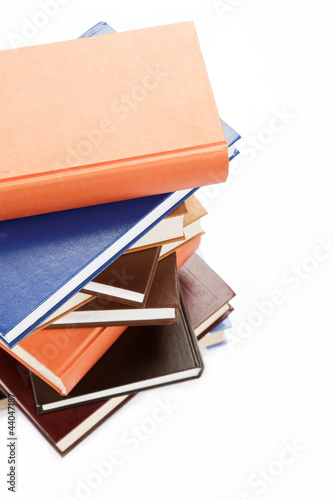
{"x": 192, "y": 226}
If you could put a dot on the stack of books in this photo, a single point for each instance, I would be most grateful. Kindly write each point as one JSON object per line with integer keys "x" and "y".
{"x": 102, "y": 293}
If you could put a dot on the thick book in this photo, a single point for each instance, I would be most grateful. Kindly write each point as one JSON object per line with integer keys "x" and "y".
{"x": 64, "y": 429}
{"x": 128, "y": 279}
{"x": 207, "y": 296}
{"x": 185, "y": 252}
{"x": 161, "y": 308}
{"x": 89, "y": 149}
{"x": 230, "y": 134}
{"x": 48, "y": 258}
{"x": 143, "y": 357}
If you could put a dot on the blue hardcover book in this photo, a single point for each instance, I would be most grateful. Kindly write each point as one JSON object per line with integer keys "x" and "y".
{"x": 46, "y": 259}
{"x": 99, "y": 29}
{"x": 224, "y": 325}
{"x": 231, "y": 135}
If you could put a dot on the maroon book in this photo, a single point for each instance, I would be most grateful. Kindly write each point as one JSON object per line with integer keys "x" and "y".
{"x": 206, "y": 295}
{"x": 65, "y": 428}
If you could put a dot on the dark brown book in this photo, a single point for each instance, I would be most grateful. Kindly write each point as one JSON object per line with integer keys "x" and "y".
{"x": 206, "y": 295}
{"x": 128, "y": 279}
{"x": 161, "y": 308}
{"x": 64, "y": 429}
{"x": 142, "y": 358}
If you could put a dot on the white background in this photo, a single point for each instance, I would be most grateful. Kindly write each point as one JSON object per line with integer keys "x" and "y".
{"x": 272, "y": 383}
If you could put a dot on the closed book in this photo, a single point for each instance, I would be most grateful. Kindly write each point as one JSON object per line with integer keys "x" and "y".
{"x": 46, "y": 259}
{"x": 161, "y": 307}
{"x": 143, "y": 357}
{"x": 64, "y": 429}
{"x": 185, "y": 252}
{"x": 231, "y": 137}
{"x": 169, "y": 229}
{"x": 192, "y": 226}
{"x": 168, "y": 249}
{"x": 63, "y": 357}
{"x": 128, "y": 279}
{"x": 89, "y": 149}
{"x": 207, "y": 296}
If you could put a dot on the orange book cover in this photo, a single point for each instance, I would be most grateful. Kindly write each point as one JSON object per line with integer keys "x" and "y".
{"x": 61, "y": 358}
{"x": 106, "y": 118}
{"x": 186, "y": 251}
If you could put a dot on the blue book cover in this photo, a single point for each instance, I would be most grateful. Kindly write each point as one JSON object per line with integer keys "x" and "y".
{"x": 46, "y": 259}
{"x": 221, "y": 327}
{"x": 224, "y": 325}
{"x": 231, "y": 137}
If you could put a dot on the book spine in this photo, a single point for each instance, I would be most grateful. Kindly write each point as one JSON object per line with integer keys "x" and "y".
{"x": 97, "y": 184}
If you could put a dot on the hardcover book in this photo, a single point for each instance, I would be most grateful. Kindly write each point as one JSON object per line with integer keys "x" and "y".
{"x": 231, "y": 135}
{"x": 143, "y": 357}
{"x": 63, "y": 357}
{"x": 76, "y": 423}
{"x": 64, "y": 429}
{"x": 89, "y": 150}
{"x": 161, "y": 307}
{"x": 207, "y": 296}
{"x": 46, "y": 259}
{"x": 128, "y": 279}
{"x": 192, "y": 226}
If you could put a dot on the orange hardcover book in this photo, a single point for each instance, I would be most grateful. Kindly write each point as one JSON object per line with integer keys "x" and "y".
{"x": 106, "y": 118}
{"x": 185, "y": 252}
{"x": 61, "y": 358}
